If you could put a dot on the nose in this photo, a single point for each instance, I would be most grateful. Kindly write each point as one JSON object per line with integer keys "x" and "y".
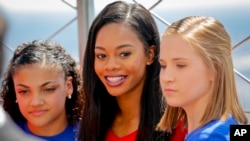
{"x": 112, "y": 64}
{"x": 166, "y": 75}
{"x": 37, "y": 99}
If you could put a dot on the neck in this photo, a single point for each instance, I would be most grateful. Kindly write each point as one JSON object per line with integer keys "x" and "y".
{"x": 127, "y": 120}
{"x": 195, "y": 112}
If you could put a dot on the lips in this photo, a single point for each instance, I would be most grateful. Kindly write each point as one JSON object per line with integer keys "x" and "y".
{"x": 169, "y": 91}
{"x": 115, "y": 80}
{"x": 38, "y": 112}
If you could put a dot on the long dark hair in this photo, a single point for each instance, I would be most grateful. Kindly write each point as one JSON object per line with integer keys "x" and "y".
{"x": 53, "y": 54}
{"x": 100, "y": 107}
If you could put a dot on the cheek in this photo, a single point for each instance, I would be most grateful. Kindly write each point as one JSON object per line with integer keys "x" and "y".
{"x": 197, "y": 83}
{"x": 138, "y": 69}
{"x": 187, "y": 81}
{"x": 23, "y": 105}
{"x": 161, "y": 76}
{"x": 58, "y": 101}
{"x": 97, "y": 68}
{"x": 162, "y": 73}
{"x": 140, "y": 74}
{"x": 137, "y": 64}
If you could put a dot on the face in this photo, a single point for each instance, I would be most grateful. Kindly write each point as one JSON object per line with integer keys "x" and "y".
{"x": 120, "y": 59}
{"x": 41, "y": 94}
{"x": 185, "y": 80}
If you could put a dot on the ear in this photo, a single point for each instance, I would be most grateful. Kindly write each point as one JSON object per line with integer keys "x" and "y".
{"x": 151, "y": 55}
{"x": 69, "y": 86}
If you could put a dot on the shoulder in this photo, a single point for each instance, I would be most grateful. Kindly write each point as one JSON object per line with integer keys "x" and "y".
{"x": 23, "y": 126}
{"x": 215, "y": 130}
{"x": 219, "y": 126}
{"x": 69, "y": 134}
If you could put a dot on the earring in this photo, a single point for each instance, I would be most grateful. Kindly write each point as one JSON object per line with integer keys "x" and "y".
{"x": 69, "y": 96}
{"x": 16, "y": 101}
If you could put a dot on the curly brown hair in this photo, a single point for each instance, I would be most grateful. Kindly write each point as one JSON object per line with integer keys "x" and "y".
{"x": 53, "y": 54}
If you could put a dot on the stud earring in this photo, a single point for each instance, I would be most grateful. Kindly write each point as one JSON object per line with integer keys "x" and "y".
{"x": 16, "y": 101}
{"x": 69, "y": 96}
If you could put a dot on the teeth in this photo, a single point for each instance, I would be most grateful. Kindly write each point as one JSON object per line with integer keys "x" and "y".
{"x": 114, "y": 79}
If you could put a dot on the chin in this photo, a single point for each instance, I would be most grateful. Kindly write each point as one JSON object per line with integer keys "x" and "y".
{"x": 114, "y": 93}
{"x": 174, "y": 104}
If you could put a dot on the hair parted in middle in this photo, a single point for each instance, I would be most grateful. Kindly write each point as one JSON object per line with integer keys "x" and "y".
{"x": 212, "y": 42}
{"x": 100, "y": 107}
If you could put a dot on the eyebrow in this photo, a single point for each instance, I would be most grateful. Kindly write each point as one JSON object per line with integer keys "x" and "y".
{"x": 179, "y": 58}
{"x": 175, "y": 59}
{"x": 118, "y": 47}
{"x": 44, "y": 84}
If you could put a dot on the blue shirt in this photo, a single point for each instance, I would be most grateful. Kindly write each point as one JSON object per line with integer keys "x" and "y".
{"x": 215, "y": 130}
{"x": 69, "y": 134}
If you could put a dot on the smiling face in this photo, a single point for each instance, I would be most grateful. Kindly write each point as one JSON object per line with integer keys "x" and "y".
{"x": 41, "y": 93}
{"x": 185, "y": 79}
{"x": 120, "y": 59}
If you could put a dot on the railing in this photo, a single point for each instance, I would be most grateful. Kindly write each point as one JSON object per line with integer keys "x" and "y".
{"x": 157, "y": 17}
{"x": 243, "y": 77}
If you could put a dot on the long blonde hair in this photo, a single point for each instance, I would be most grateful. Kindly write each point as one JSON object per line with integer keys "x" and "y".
{"x": 211, "y": 40}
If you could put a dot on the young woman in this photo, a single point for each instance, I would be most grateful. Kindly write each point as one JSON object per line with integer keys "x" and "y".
{"x": 197, "y": 79}
{"x": 42, "y": 91}
{"x": 9, "y": 131}
{"x": 120, "y": 76}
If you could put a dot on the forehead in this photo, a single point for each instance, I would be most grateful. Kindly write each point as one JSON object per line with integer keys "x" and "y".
{"x": 116, "y": 31}
{"x": 174, "y": 42}
{"x": 175, "y": 46}
{"x": 35, "y": 76}
{"x": 39, "y": 67}
{"x": 114, "y": 35}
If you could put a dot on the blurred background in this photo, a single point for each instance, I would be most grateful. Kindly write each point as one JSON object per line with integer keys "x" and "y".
{"x": 67, "y": 22}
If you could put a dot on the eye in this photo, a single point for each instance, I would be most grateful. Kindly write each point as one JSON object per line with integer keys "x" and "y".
{"x": 100, "y": 56}
{"x": 22, "y": 92}
{"x": 125, "y": 54}
{"x": 49, "y": 90}
{"x": 180, "y": 65}
{"x": 163, "y": 66}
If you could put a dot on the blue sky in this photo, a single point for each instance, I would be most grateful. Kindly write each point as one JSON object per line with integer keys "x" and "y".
{"x": 39, "y": 19}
